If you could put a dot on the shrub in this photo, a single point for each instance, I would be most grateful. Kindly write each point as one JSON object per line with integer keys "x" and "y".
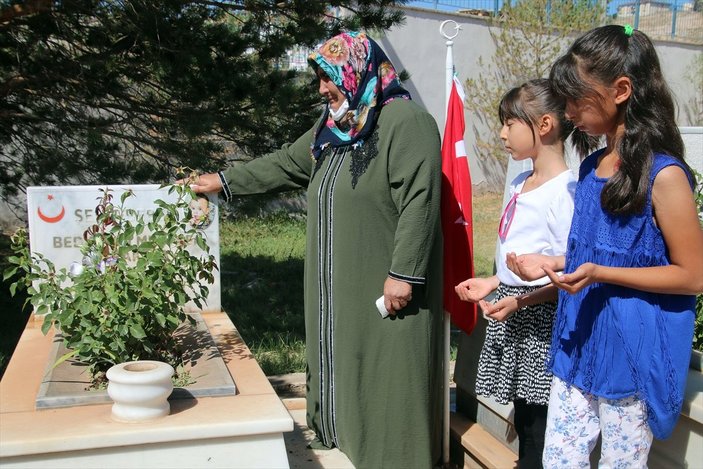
{"x": 124, "y": 300}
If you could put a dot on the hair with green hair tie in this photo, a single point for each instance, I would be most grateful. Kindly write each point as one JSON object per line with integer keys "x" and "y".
{"x": 628, "y": 30}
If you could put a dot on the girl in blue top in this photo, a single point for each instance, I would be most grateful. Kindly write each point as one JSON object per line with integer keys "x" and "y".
{"x": 634, "y": 259}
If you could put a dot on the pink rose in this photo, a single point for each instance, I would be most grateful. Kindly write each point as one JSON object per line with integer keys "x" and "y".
{"x": 359, "y": 53}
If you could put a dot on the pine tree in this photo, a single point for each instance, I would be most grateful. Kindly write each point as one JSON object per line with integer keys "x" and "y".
{"x": 107, "y": 91}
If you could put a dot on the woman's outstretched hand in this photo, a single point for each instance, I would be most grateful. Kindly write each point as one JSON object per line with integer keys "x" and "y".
{"x": 580, "y": 278}
{"x": 203, "y": 183}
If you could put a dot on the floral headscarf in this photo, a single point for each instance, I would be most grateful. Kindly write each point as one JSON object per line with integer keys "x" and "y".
{"x": 363, "y": 72}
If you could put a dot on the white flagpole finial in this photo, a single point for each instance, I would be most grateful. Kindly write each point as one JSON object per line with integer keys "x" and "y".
{"x": 449, "y": 67}
{"x": 456, "y": 29}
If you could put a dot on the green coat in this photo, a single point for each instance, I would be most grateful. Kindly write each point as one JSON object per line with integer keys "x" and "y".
{"x": 374, "y": 385}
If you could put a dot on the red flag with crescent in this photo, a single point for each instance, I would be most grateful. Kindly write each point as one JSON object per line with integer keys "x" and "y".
{"x": 457, "y": 224}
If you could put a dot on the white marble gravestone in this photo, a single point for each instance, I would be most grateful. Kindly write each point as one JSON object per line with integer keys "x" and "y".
{"x": 59, "y": 215}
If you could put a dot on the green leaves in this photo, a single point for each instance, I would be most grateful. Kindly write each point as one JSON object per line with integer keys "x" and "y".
{"x": 698, "y": 325}
{"x": 129, "y": 297}
{"x": 137, "y": 331}
{"x": 10, "y": 272}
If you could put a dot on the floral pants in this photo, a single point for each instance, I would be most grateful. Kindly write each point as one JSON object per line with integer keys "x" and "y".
{"x": 575, "y": 419}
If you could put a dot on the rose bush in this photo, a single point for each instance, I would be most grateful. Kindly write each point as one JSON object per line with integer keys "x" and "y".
{"x": 125, "y": 298}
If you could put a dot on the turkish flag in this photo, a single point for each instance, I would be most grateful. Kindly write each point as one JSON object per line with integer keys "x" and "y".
{"x": 457, "y": 224}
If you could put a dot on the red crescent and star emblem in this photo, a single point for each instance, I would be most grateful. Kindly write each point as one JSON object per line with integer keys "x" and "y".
{"x": 54, "y": 204}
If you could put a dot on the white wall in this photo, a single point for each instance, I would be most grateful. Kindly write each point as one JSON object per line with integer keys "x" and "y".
{"x": 418, "y": 47}
{"x": 693, "y": 139}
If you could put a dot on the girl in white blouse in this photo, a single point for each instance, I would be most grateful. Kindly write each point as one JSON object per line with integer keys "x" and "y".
{"x": 536, "y": 219}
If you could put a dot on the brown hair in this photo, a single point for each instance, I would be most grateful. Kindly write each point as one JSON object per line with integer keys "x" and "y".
{"x": 535, "y": 98}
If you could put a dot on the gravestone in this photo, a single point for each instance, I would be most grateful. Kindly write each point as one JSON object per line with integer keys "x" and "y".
{"x": 59, "y": 215}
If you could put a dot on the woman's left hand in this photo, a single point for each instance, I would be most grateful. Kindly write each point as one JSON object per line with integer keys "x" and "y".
{"x": 580, "y": 278}
{"x": 204, "y": 183}
{"x": 396, "y": 295}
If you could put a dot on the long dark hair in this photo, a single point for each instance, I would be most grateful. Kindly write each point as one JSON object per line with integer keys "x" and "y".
{"x": 604, "y": 54}
{"x": 535, "y": 98}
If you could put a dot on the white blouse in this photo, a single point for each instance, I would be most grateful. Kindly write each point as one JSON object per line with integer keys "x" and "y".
{"x": 540, "y": 223}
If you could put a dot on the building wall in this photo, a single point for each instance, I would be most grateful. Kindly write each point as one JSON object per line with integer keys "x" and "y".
{"x": 418, "y": 47}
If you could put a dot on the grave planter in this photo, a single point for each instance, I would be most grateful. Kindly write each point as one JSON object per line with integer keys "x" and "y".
{"x": 70, "y": 383}
{"x": 47, "y": 419}
{"x": 140, "y": 390}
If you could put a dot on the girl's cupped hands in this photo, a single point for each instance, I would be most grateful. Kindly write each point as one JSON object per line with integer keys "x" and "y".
{"x": 501, "y": 309}
{"x": 580, "y": 278}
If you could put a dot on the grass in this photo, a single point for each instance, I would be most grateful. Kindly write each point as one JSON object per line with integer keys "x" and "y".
{"x": 486, "y": 214}
{"x": 262, "y": 261}
{"x": 261, "y": 268}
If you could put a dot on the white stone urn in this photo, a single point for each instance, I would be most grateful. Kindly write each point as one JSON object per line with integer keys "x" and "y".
{"x": 140, "y": 390}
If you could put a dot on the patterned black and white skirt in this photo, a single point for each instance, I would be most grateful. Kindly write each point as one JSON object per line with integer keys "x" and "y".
{"x": 514, "y": 356}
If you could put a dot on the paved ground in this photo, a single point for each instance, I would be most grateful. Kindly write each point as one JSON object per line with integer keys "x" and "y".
{"x": 299, "y": 455}
{"x": 291, "y": 389}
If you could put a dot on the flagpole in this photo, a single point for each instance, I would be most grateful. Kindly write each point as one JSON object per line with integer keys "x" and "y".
{"x": 449, "y": 78}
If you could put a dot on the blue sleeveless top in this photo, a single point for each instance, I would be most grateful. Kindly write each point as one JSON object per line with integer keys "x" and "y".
{"x": 616, "y": 342}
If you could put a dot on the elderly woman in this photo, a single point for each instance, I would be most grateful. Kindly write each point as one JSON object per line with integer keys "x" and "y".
{"x": 372, "y": 170}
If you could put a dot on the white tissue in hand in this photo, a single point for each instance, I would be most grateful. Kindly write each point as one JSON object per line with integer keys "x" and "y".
{"x": 381, "y": 307}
